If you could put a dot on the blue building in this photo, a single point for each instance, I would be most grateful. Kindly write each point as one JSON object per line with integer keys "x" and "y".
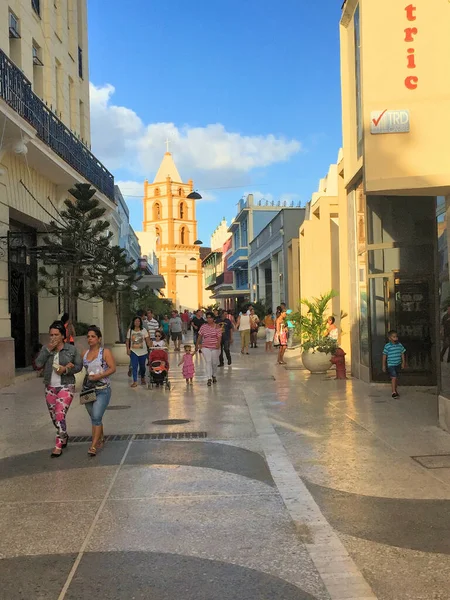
{"x": 127, "y": 237}
{"x": 248, "y": 223}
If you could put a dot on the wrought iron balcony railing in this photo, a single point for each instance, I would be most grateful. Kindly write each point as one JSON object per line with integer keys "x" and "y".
{"x": 16, "y": 91}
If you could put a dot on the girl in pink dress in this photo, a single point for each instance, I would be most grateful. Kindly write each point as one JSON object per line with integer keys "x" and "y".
{"x": 188, "y": 363}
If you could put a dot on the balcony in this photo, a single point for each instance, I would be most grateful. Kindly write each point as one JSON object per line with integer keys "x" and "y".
{"x": 238, "y": 259}
{"x": 16, "y": 91}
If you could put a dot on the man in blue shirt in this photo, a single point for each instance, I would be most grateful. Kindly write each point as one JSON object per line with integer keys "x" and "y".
{"x": 394, "y": 359}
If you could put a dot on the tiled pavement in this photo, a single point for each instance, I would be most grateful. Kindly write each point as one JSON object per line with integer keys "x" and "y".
{"x": 303, "y": 489}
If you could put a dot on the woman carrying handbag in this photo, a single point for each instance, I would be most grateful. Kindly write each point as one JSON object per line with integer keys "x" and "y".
{"x": 96, "y": 392}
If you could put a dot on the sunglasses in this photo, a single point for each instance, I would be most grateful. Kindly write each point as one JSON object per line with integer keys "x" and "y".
{"x": 157, "y": 336}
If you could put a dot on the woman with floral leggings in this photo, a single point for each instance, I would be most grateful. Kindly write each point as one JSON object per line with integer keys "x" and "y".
{"x": 60, "y": 362}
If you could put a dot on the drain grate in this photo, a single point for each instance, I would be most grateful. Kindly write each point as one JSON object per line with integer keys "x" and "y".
{"x": 181, "y": 435}
{"x": 126, "y": 437}
{"x": 171, "y": 422}
{"x": 433, "y": 461}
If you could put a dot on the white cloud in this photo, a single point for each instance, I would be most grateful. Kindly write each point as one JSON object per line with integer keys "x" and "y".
{"x": 207, "y": 196}
{"x": 122, "y": 140}
{"x": 134, "y": 190}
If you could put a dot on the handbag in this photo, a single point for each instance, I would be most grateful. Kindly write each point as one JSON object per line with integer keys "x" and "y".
{"x": 87, "y": 396}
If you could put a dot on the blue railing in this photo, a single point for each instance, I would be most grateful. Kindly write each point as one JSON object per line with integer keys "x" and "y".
{"x": 16, "y": 91}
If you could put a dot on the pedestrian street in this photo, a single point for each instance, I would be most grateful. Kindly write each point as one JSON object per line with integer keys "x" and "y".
{"x": 270, "y": 484}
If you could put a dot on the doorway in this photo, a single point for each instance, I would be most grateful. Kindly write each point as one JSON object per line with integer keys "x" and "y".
{"x": 406, "y": 305}
{"x": 23, "y": 295}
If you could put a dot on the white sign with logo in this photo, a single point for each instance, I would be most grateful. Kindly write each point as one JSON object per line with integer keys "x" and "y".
{"x": 389, "y": 121}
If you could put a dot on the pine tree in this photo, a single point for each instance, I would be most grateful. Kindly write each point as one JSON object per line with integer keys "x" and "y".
{"x": 112, "y": 279}
{"x": 76, "y": 249}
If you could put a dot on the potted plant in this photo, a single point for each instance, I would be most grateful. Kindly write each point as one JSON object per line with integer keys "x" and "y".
{"x": 311, "y": 326}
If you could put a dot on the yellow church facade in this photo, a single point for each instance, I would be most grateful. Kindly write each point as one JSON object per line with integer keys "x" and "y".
{"x": 169, "y": 216}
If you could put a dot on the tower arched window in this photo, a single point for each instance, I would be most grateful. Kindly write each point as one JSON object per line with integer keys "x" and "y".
{"x": 180, "y": 191}
{"x": 156, "y": 211}
{"x": 183, "y": 210}
{"x": 183, "y": 236}
{"x": 157, "y": 192}
{"x": 158, "y": 236}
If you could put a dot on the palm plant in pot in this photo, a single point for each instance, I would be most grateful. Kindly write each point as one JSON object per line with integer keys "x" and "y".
{"x": 310, "y": 324}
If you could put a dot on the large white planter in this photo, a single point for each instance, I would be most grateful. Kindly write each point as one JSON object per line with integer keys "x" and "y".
{"x": 316, "y": 362}
{"x": 119, "y": 351}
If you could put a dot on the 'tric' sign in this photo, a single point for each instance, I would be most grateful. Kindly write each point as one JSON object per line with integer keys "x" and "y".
{"x": 412, "y": 81}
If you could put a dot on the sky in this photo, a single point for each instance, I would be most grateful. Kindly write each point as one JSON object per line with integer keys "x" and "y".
{"x": 246, "y": 91}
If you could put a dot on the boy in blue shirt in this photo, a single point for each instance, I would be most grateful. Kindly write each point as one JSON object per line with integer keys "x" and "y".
{"x": 394, "y": 359}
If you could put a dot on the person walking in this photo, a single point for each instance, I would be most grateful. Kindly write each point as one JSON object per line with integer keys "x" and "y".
{"x": 243, "y": 324}
{"x": 196, "y": 322}
{"x": 394, "y": 360}
{"x": 100, "y": 365}
{"x": 60, "y": 361}
{"x": 269, "y": 324}
{"x": 281, "y": 333}
{"x": 185, "y": 319}
{"x": 176, "y": 330}
{"x": 187, "y": 361}
{"x": 208, "y": 339}
{"x": 138, "y": 343}
{"x": 254, "y": 326}
{"x": 226, "y": 327}
{"x": 165, "y": 329}
{"x": 151, "y": 324}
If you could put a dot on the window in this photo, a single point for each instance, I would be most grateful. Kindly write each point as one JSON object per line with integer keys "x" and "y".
{"x": 36, "y": 6}
{"x": 157, "y": 192}
{"x": 180, "y": 192}
{"x": 158, "y": 236}
{"x": 359, "y": 116}
{"x": 13, "y": 26}
{"x": 183, "y": 236}
{"x": 80, "y": 62}
{"x": 244, "y": 234}
{"x": 37, "y": 62}
{"x": 236, "y": 241}
{"x": 183, "y": 211}
{"x": 156, "y": 211}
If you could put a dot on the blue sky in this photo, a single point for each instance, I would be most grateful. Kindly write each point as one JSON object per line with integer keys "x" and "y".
{"x": 246, "y": 90}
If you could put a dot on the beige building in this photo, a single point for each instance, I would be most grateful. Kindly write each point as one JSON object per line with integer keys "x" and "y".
{"x": 45, "y": 135}
{"x": 169, "y": 219}
{"x": 397, "y": 185}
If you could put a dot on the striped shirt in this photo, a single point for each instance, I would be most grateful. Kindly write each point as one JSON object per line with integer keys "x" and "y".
{"x": 394, "y": 354}
{"x": 210, "y": 336}
{"x": 151, "y": 327}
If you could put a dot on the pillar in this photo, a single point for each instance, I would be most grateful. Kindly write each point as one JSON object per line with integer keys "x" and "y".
{"x": 261, "y": 284}
{"x": 275, "y": 281}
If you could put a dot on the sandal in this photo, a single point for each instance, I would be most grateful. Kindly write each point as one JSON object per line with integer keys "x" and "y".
{"x": 209, "y": 382}
{"x": 214, "y": 380}
{"x": 56, "y": 452}
{"x": 134, "y": 384}
{"x": 64, "y": 445}
{"x": 92, "y": 451}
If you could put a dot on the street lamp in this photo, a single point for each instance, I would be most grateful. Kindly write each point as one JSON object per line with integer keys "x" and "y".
{"x": 198, "y": 243}
{"x": 194, "y": 196}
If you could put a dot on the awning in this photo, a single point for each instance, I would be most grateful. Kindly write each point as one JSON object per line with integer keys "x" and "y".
{"x": 155, "y": 282}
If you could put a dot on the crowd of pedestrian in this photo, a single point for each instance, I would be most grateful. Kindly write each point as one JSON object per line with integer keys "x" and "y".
{"x": 147, "y": 336}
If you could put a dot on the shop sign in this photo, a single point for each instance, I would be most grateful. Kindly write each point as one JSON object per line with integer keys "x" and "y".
{"x": 389, "y": 121}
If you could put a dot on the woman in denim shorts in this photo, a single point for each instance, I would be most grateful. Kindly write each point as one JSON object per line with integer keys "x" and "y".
{"x": 100, "y": 364}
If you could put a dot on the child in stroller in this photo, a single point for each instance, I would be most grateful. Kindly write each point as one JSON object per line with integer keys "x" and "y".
{"x": 159, "y": 368}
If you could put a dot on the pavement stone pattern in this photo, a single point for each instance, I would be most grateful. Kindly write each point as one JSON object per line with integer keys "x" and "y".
{"x": 305, "y": 488}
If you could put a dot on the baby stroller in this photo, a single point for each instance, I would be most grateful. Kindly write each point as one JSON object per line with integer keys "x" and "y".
{"x": 159, "y": 368}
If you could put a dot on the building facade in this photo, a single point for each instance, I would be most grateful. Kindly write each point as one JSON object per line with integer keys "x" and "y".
{"x": 45, "y": 141}
{"x": 274, "y": 260}
{"x": 128, "y": 239}
{"x": 169, "y": 217}
{"x": 397, "y": 185}
{"x": 218, "y": 281}
{"x": 251, "y": 218}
